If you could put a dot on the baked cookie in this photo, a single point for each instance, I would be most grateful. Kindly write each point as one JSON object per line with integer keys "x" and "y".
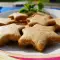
{"x": 38, "y": 36}
{"x": 18, "y": 16}
{"x": 9, "y": 32}
{"x": 21, "y": 22}
{"x": 6, "y": 21}
{"x": 57, "y": 20}
{"x": 40, "y": 18}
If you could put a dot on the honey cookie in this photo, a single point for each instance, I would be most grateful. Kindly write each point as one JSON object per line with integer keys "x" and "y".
{"x": 38, "y": 36}
{"x": 9, "y": 32}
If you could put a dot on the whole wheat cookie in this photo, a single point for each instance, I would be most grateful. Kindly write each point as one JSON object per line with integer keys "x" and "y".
{"x": 40, "y": 18}
{"x": 18, "y": 16}
{"x": 38, "y": 36}
{"x": 9, "y": 32}
{"x": 6, "y": 21}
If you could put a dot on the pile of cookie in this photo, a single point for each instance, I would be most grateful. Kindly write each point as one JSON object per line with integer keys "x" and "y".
{"x": 37, "y": 30}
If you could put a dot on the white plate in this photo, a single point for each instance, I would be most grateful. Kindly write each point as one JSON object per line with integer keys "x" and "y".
{"x": 15, "y": 49}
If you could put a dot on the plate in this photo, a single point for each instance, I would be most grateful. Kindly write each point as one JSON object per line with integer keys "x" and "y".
{"x": 14, "y": 48}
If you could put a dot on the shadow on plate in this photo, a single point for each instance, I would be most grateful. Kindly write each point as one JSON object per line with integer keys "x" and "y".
{"x": 13, "y": 46}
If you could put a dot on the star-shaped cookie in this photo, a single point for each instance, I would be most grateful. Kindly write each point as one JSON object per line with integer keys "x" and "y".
{"x": 6, "y": 21}
{"x": 18, "y": 16}
{"x": 40, "y": 18}
{"x": 9, "y": 32}
{"x": 57, "y": 20}
{"x": 38, "y": 36}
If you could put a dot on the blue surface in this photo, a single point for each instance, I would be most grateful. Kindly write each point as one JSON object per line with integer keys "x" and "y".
{"x": 4, "y": 9}
{"x": 56, "y": 8}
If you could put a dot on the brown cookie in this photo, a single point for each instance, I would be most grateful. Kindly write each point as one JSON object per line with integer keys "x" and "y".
{"x": 18, "y": 16}
{"x": 40, "y": 18}
{"x": 6, "y": 21}
{"x": 9, "y": 32}
{"x": 38, "y": 36}
{"x": 57, "y": 20}
{"x": 21, "y": 22}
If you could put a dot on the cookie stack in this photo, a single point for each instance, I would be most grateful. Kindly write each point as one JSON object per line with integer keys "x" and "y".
{"x": 37, "y": 30}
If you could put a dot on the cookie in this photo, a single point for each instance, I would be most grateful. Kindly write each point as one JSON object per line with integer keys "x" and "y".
{"x": 18, "y": 16}
{"x": 6, "y": 21}
{"x": 9, "y": 32}
{"x": 21, "y": 22}
{"x": 40, "y": 18}
{"x": 57, "y": 20}
{"x": 38, "y": 36}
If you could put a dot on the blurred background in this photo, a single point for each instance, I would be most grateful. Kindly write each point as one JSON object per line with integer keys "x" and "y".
{"x": 6, "y": 5}
{"x": 56, "y": 1}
